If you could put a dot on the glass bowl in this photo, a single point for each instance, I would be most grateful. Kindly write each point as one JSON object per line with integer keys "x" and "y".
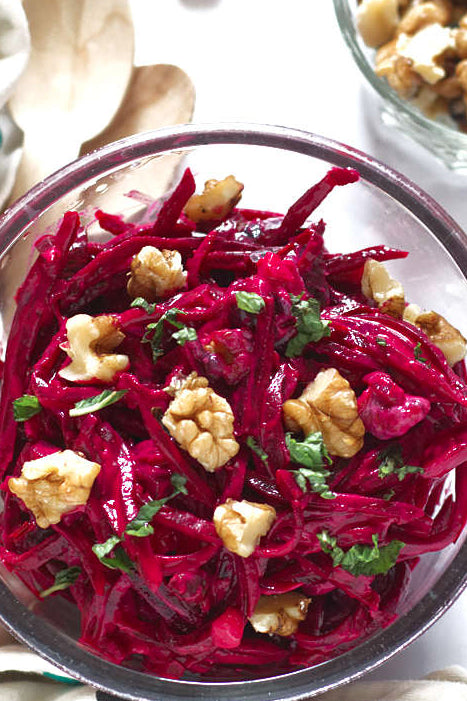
{"x": 276, "y": 165}
{"x": 446, "y": 143}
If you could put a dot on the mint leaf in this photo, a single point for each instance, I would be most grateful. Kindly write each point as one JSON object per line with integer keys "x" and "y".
{"x": 103, "y": 549}
{"x": 119, "y": 559}
{"x": 155, "y": 331}
{"x": 144, "y": 304}
{"x": 313, "y": 455}
{"x": 417, "y": 352}
{"x": 63, "y": 579}
{"x": 25, "y": 407}
{"x": 253, "y": 445}
{"x": 392, "y": 462}
{"x": 99, "y": 401}
{"x": 381, "y": 341}
{"x": 308, "y": 324}
{"x": 186, "y": 333}
{"x": 362, "y": 559}
{"x": 250, "y": 302}
{"x": 178, "y": 483}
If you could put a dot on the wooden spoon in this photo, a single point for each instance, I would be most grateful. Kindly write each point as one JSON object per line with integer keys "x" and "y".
{"x": 157, "y": 96}
{"x": 79, "y": 68}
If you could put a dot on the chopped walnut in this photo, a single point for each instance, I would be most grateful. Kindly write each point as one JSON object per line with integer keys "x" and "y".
{"x": 328, "y": 404}
{"x": 422, "y": 14}
{"x": 441, "y": 333}
{"x": 201, "y": 421}
{"x": 377, "y": 20}
{"x": 397, "y": 70}
{"x": 279, "y": 614}
{"x": 90, "y": 341}
{"x": 54, "y": 485}
{"x": 378, "y": 285}
{"x": 424, "y": 49}
{"x": 240, "y": 524}
{"x": 216, "y": 202}
{"x": 155, "y": 273}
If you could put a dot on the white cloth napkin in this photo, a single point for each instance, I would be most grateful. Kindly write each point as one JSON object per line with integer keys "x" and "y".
{"x": 14, "y": 53}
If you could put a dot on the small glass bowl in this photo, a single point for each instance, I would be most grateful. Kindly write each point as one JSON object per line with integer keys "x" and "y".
{"x": 446, "y": 143}
{"x": 276, "y": 165}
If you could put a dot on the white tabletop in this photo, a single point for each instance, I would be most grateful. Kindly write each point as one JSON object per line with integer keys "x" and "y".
{"x": 285, "y": 63}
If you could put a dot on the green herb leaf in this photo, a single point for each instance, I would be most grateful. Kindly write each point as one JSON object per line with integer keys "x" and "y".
{"x": 250, "y": 302}
{"x": 103, "y": 549}
{"x": 308, "y": 324}
{"x": 362, "y": 559}
{"x": 144, "y": 304}
{"x": 312, "y": 453}
{"x": 417, "y": 351}
{"x": 381, "y": 341}
{"x": 389, "y": 495}
{"x": 25, "y": 407}
{"x": 119, "y": 559}
{"x": 253, "y": 445}
{"x": 140, "y": 526}
{"x": 392, "y": 462}
{"x": 187, "y": 333}
{"x": 99, "y": 401}
{"x": 155, "y": 331}
{"x": 63, "y": 579}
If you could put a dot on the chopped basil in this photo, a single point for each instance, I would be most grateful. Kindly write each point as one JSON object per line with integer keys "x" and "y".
{"x": 25, "y": 407}
{"x": 144, "y": 304}
{"x": 392, "y": 462}
{"x": 417, "y": 351}
{"x": 381, "y": 341}
{"x": 308, "y": 324}
{"x": 99, "y": 401}
{"x": 186, "y": 333}
{"x": 138, "y": 526}
{"x": 389, "y": 495}
{"x": 63, "y": 579}
{"x": 250, "y": 302}
{"x": 253, "y": 445}
{"x": 312, "y": 454}
{"x": 362, "y": 559}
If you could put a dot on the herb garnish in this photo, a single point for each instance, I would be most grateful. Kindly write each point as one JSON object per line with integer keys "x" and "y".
{"x": 381, "y": 341}
{"x": 154, "y": 332}
{"x": 26, "y": 407}
{"x": 249, "y": 302}
{"x": 139, "y": 526}
{"x": 308, "y": 323}
{"x": 144, "y": 304}
{"x": 362, "y": 559}
{"x": 392, "y": 462}
{"x": 253, "y": 445}
{"x": 417, "y": 351}
{"x": 63, "y": 579}
{"x": 312, "y": 453}
{"x": 97, "y": 402}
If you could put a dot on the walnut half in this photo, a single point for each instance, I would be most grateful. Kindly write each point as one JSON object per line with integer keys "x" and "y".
{"x": 440, "y": 332}
{"x": 240, "y": 524}
{"x": 201, "y": 421}
{"x": 216, "y": 201}
{"x": 54, "y": 485}
{"x": 279, "y": 614}
{"x": 90, "y": 341}
{"x": 155, "y": 273}
{"x": 378, "y": 285}
{"x": 328, "y": 404}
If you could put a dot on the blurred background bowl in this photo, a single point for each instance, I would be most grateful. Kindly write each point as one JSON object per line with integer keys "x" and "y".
{"x": 445, "y": 142}
{"x": 276, "y": 165}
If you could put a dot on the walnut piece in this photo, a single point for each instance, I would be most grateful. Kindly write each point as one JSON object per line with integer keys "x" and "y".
{"x": 216, "y": 202}
{"x": 279, "y": 614}
{"x": 328, "y": 404}
{"x": 441, "y": 333}
{"x": 378, "y": 285}
{"x": 54, "y": 485}
{"x": 240, "y": 524}
{"x": 424, "y": 48}
{"x": 377, "y": 21}
{"x": 155, "y": 273}
{"x": 89, "y": 342}
{"x": 201, "y": 421}
{"x": 422, "y": 14}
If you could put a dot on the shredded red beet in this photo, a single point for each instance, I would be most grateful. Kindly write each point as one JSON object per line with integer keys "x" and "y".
{"x": 348, "y": 531}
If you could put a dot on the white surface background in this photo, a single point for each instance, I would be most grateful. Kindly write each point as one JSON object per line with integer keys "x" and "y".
{"x": 285, "y": 63}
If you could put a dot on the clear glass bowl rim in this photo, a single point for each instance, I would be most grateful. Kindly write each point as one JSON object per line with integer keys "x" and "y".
{"x": 424, "y": 125}
{"x": 64, "y": 653}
